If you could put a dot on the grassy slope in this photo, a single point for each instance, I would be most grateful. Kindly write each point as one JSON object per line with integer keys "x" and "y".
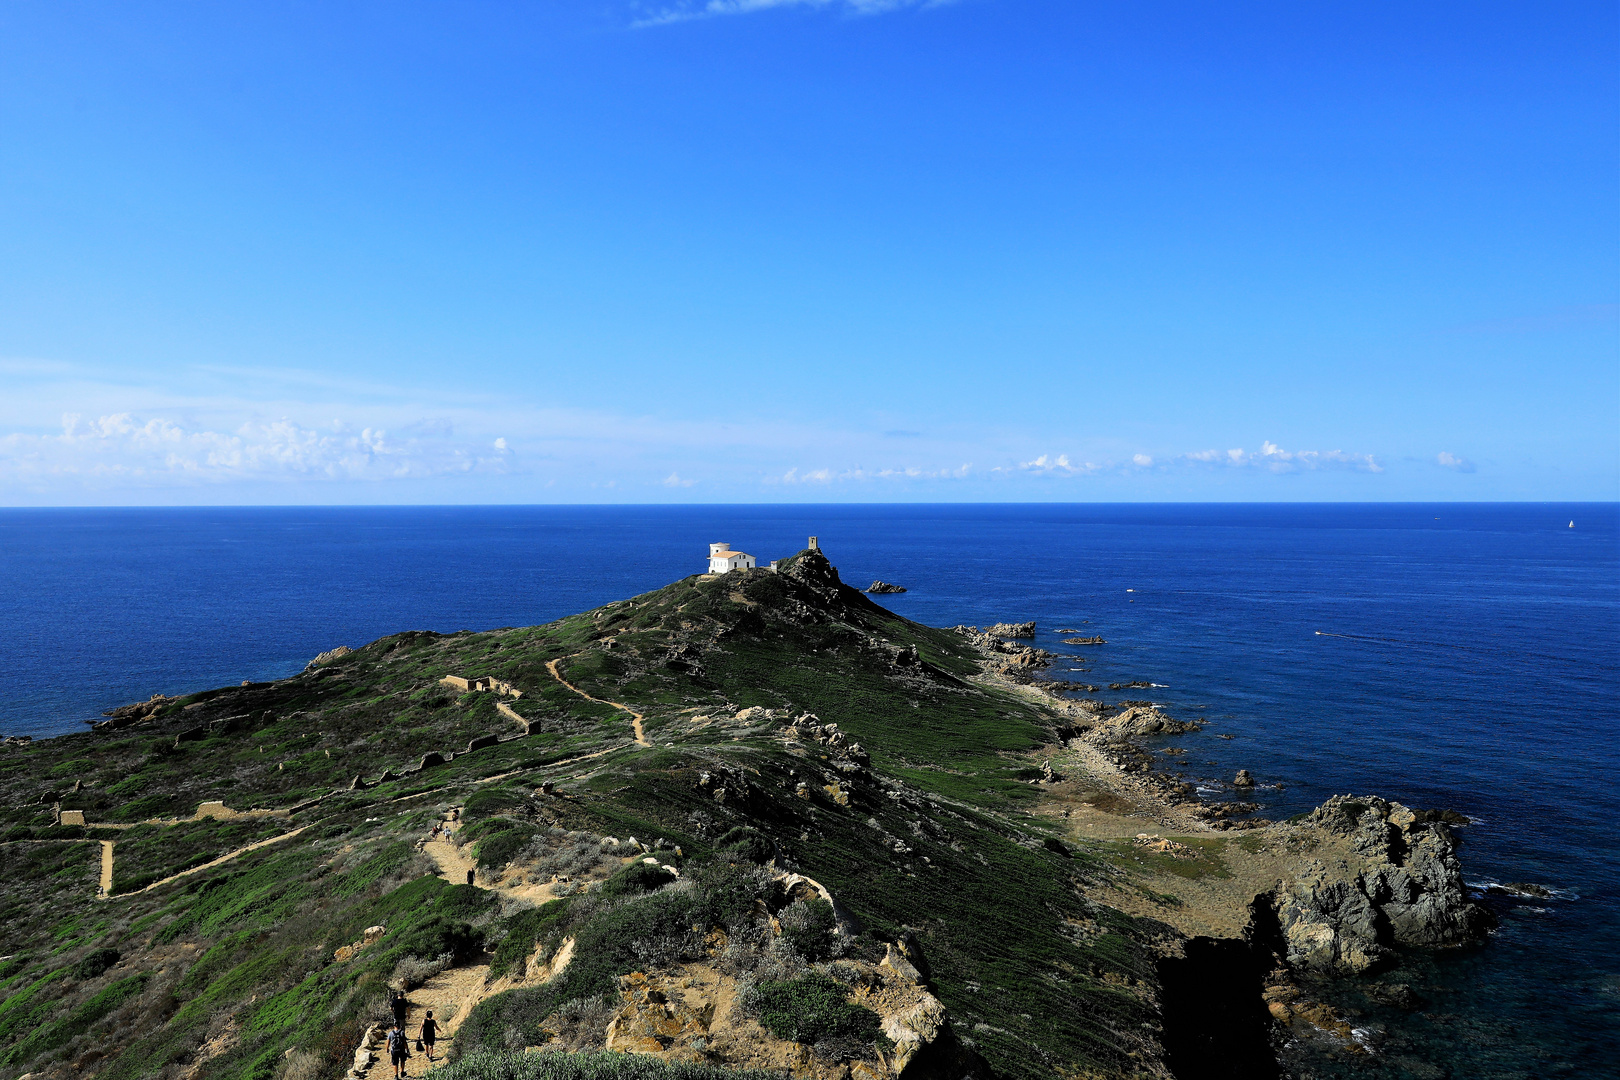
{"x": 933, "y": 837}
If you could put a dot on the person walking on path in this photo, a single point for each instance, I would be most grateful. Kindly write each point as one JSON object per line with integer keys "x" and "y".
{"x": 399, "y": 1049}
{"x": 399, "y": 1005}
{"x": 430, "y": 1033}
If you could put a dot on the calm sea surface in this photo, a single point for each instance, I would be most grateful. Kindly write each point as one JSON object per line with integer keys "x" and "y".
{"x": 1462, "y": 656}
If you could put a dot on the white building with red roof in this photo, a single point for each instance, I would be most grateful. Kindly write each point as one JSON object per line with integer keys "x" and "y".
{"x": 723, "y": 560}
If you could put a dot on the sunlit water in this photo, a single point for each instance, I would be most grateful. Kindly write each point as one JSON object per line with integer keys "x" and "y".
{"x": 1452, "y": 656}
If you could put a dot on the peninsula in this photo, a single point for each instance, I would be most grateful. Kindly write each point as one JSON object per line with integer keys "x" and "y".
{"x": 751, "y": 821}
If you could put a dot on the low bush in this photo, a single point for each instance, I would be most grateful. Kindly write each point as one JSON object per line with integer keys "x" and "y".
{"x": 634, "y": 880}
{"x": 489, "y": 802}
{"x": 743, "y": 843}
{"x": 414, "y": 970}
{"x": 814, "y": 1009}
{"x": 498, "y": 849}
{"x": 94, "y": 963}
{"x": 808, "y": 925}
{"x": 523, "y": 932}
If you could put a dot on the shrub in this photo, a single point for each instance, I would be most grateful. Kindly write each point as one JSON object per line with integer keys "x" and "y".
{"x": 500, "y": 848}
{"x": 94, "y": 963}
{"x": 414, "y": 970}
{"x": 635, "y": 879}
{"x": 301, "y": 1065}
{"x": 808, "y": 925}
{"x": 524, "y": 931}
{"x": 438, "y": 936}
{"x": 743, "y": 843}
{"x": 813, "y": 1009}
{"x": 730, "y": 893}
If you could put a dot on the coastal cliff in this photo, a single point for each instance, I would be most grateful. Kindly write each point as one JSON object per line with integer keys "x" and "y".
{"x": 750, "y": 821}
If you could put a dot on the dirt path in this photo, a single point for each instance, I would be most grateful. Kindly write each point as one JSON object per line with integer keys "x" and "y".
{"x": 641, "y": 734}
{"x": 450, "y": 995}
{"x": 106, "y": 863}
{"x": 453, "y": 865}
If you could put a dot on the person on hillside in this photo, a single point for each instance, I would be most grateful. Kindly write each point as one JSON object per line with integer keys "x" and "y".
{"x": 399, "y": 1049}
{"x": 430, "y": 1033}
{"x": 398, "y": 1004}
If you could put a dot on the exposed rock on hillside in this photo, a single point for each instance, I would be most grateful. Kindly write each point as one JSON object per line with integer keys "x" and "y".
{"x": 125, "y": 715}
{"x": 328, "y": 656}
{"x": 884, "y": 587}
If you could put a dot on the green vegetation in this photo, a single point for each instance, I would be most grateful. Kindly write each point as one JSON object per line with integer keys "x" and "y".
{"x": 812, "y": 1009}
{"x": 1194, "y": 858}
{"x": 920, "y": 832}
{"x": 601, "y": 1066}
{"x": 149, "y": 853}
{"x": 59, "y": 1033}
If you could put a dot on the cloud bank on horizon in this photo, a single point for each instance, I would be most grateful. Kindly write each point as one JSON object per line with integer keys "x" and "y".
{"x": 438, "y": 447}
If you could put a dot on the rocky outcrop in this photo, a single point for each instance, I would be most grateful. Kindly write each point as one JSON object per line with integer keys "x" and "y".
{"x": 1378, "y": 876}
{"x": 884, "y": 587}
{"x": 1142, "y": 720}
{"x": 1011, "y": 630}
{"x": 125, "y": 715}
{"x": 327, "y": 657}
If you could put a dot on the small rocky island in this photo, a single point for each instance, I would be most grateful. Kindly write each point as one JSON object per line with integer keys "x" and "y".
{"x": 750, "y": 823}
{"x": 884, "y": 587}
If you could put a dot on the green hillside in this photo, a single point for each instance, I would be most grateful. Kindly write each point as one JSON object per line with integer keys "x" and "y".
{"x": 912, "y": 812}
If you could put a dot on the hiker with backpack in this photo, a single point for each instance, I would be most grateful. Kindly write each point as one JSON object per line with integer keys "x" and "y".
{"x": 399, "y": 1049}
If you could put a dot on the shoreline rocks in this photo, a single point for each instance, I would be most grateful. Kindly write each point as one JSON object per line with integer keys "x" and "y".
{"x": 884, "y": 587}
{"x": 1397, "y": 883}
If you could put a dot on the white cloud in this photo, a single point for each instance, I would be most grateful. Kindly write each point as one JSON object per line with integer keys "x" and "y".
{"x": 1455, "y": 463}
{"x": 910, "y": 472}
{"x": 1274, "y": 458}
{"x": 1046, "y": 465}
{"x": 500, "y": 444}
{"x": 1144, "y": 460}
{"x": 674, "y": 480}
{"x": 687, "y": 10}
{"x": 128, "y": 448}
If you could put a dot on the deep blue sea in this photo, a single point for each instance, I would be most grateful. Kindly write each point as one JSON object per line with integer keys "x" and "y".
{"x": 1460, "y": 656}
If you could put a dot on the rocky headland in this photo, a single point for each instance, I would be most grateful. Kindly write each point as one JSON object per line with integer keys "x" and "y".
{"x": 745, "y": 822}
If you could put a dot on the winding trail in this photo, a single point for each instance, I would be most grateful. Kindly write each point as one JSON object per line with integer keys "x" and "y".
{"x": 452, "y": 995}
{"x": 107, "y": 863}
{"x": 641, "y": 734}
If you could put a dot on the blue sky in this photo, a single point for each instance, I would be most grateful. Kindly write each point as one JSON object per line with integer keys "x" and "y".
{"x": 815, "y": 250}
